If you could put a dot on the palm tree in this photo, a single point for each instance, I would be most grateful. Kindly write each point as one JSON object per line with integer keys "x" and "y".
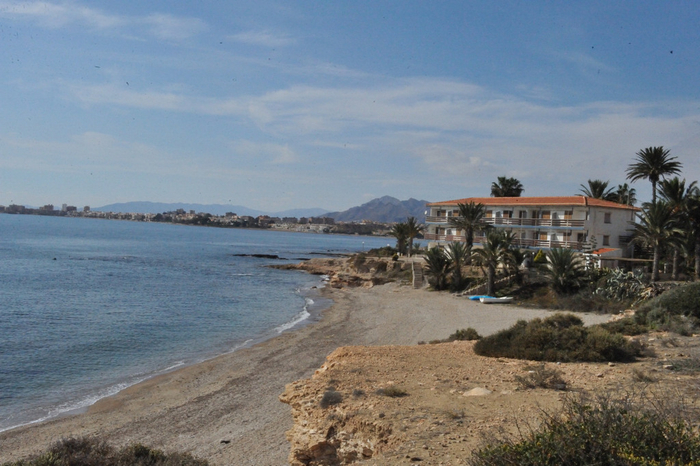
{"x": 470, "y": 219}
{"x": 675, "y": 193}
{"x": 413, "y": 229}
{"x": 565, "y": 269}
{"x": 437, "y": 267}
{"x": 506, "y": 187}
{"x": 694, "y": 219}
{"x": 658, "y": 225}
{"x": 494, "y": 253}
{"x": 625, "y": 195}
{"x": 400, "y": 232}
{"x": 598, "y": 189}
{"x": 458, "y": 253}
{"x": 653, "y": 164}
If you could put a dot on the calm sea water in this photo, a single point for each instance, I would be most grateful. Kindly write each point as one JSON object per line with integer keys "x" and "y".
{"x": 89, "y": 307}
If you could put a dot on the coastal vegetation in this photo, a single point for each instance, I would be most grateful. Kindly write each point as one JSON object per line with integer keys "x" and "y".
{"x": 506, "y": 187}
{"x": 559, "y": 338}
{"x": 622, "y": 431}
{"x": 471, "y": 219}
{"x": 92, "y": 451}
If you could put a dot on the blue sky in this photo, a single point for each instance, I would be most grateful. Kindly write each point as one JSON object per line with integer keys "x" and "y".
{"x": 279, "y": 105}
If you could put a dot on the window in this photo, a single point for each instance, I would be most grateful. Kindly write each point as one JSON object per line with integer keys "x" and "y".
{"x": 522, "y": 214}
{"x": 607, "y": 217}
{"x": 568, "y": 214}
{"x": 606, "y": 240}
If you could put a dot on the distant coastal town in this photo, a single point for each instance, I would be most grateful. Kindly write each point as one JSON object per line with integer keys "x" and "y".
{"x": 228, "y": 220}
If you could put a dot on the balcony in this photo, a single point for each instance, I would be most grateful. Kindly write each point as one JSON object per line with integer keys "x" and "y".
{"x": 518, "y": 222}
{"x": 519, "y": 242}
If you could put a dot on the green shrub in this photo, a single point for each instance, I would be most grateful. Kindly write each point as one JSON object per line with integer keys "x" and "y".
{"x": 561, "y": 337}
{"x": 465, "y": 334}
{"x": 90, "y": 451}
{"x": 541, "y": 377}
{"x": 676, "y": 310}
{"x": 625, "y": 326}
{"x": 619, "y": 285}
{"x": 605, "y": 432}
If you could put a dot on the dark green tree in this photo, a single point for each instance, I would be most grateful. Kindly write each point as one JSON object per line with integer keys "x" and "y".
{"x": 471, "y": 219}
{"x": 653, "y": 164}
{"x": 625, "y": 195}
{"x": 565, "y": 270}
{"x": 677, "y": 195}
{"x": 437, "y": 268}
{"x": 400, "y": 232}
{"x": 506, "y": 187}
{"x": 658, "y": 226}
{"x": 458, "y": 253}
{"x": 413, "y": 229}
{"x": 495, "y": 252}
{"x": 598, "y": 189}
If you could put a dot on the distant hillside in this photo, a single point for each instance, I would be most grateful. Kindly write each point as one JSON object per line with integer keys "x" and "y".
{"x": 384, "y": 209}
{"x": 214, "y": 209}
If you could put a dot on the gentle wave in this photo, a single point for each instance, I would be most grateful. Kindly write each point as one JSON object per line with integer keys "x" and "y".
{"x": 299, "y": 318}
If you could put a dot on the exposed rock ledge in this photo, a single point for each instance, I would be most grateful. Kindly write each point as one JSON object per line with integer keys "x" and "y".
{"x": 349, "y": 272}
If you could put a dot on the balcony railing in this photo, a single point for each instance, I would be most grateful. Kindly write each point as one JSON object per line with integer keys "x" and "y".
{"x": 525, "y": 222}
{"x": 519, "y": 242}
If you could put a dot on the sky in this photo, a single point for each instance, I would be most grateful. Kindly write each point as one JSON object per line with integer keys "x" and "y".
{"x": 297, "y": 104}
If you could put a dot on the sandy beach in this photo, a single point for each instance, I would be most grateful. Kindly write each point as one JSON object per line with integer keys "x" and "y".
{"x": 227, "y": 409}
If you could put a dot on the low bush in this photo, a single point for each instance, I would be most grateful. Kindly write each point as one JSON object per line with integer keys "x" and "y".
{"x": 541, "y": 377}
{"x": 561, "y": 337}
{"x": 626, "y": 326}
{"x": 90, "y": 451}
{"x": 465, "y": 334}
{"x": 603, "y": 432}
{"x": 676, "y": 310}
{"x": 392, "y": 391}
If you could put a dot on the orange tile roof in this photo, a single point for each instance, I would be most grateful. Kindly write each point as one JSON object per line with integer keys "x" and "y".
{"x": 532, "y": 201}
{"x": 603, "y": 250}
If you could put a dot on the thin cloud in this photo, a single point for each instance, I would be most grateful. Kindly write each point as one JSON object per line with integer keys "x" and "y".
{"x": 66, "y": 14}
{"x": 263, "y": 38}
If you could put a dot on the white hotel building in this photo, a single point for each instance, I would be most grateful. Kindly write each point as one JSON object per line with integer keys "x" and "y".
{"x": 543, "y": 222}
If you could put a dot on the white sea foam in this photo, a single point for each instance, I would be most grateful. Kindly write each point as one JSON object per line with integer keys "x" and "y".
{"x": 302, "y": 316}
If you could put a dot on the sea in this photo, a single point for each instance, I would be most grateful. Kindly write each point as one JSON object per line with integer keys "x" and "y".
{"x": 89, "y": 307}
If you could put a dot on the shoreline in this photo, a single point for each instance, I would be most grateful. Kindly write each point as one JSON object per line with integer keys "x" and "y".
{"x": 226, "y": 409}
{"x": 310, "y": 312}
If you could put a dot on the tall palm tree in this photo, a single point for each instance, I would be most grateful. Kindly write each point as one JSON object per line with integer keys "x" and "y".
{"x": 598, "y": 189}
{"x": 458, "y": 253}
{"x": 653, "y": 164}
{"x": 565, "y": 269}
{"x": 625, "y": 195}
{"x": 413, "y": 229}
{"x": 437, "y": 268}
{"x": 657, "y": 227}
{"x": 471, "y": 218}
{"x": 675, "y": 193}
{"x": 506, "y": 187}
{"x": 400, "y": 232}
{"x": 495, "y": 251}
{"x": 694, "y": 219}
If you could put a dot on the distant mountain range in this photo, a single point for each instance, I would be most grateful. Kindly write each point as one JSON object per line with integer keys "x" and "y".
{"x": 384, "y": 209}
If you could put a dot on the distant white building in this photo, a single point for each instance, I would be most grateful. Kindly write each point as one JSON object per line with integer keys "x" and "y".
{"x": 543, "y": 222}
